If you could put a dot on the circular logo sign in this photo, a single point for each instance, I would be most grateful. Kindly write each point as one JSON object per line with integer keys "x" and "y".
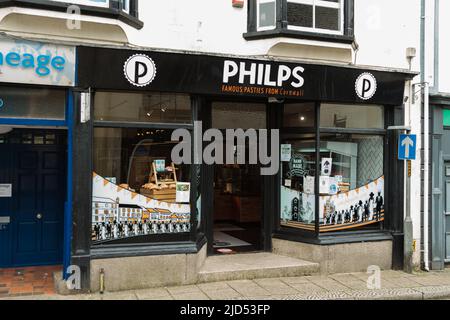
{"x": 140, "y": 70}
{"x": 1, "y": 103}
{"x": 366, "y": 86}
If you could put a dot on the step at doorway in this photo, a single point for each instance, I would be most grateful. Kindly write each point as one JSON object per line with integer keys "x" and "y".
{"x": 254, "y": 266}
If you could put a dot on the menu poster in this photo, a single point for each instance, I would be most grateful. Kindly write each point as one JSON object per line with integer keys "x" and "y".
{"x": 160, "y": 165}
{"x": 183, "y": 192}
{"x": 308, "y": 185}
{"x": 286, "y": 152}
{"x": 324, "y": 185}
{"x": 327, "y": 164}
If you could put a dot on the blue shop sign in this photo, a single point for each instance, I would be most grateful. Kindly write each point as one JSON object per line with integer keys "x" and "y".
{"x": 32, "y": 62}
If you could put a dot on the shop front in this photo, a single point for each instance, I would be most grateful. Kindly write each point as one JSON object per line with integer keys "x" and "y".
{"x": 440, "y": 180}
{"x": 35, "y": 105}
{"x": 315, "y": 170}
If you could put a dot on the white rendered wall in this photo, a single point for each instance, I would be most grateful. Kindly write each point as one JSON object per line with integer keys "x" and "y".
{"x": 444, "y": 47}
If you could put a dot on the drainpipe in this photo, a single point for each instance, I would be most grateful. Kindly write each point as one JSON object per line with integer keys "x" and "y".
{"x": 426, "y": 180}
{"x": 426, "y": 132}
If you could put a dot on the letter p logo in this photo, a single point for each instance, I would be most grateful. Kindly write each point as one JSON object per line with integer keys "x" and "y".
{"x": 140, "y": 70}
{"x": 366, "y": 86}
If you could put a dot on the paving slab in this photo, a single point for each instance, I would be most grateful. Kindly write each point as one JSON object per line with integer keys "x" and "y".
{"x": 276, "y": 286}
{"x": 183, "y": 289}
{"x": 330, "y": 285}
{"x": 307, "y": 288}
{"x": 196, "y": 296}
{"x": 248, "y": 288}
{"x": 154, "y": 294}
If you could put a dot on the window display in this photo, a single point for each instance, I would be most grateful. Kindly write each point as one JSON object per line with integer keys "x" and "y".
{"x": 349, "y": 168}
{"x": 298, "y": 182}
{"x": 134, "y": 190}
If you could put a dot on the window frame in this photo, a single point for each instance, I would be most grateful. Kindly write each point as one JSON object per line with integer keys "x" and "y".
{"x": 319, "y": 131}
{"x": 258, "y": 5}
{"x": 319, "y": 3}
{"x": 157, "y": 239}
{"x": 282, "y": 29}
{"x": 111, "y": 10}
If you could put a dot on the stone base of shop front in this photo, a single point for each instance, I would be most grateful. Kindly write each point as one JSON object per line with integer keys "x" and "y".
{"x": 147, "y": 272}
{"x": 339, "y": 258}
{"x": 289, "y": 258}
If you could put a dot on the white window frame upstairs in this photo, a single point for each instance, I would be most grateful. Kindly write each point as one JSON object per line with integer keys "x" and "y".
{"x": 86, "y": 3}
{"x": 258, "y": 3}
{"x": 319, "y": 3}
{"x": 126, "y": 6}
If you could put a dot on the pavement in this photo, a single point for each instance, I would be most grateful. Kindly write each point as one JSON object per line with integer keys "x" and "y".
{"x": 395, "y": 285}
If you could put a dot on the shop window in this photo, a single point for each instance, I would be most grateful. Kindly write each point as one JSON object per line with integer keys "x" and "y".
{"x": 142, "y": 107}
{"x": 301, "y": 115}
{"x": 351, "y": 116}
{"x": 341, "y": 172}
{"x": 32, "y": 103}
{"x": 446, "y": 118}
{"x": 134, "y": 174}
{"x": 298, "y": 172}
{"x": 352, "y": 181}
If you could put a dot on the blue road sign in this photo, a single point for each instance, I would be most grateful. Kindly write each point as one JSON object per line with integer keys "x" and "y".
{"x": 407, "y": 147}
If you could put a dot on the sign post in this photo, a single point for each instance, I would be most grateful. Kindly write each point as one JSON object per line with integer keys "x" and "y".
{"x": 407, "y": 149}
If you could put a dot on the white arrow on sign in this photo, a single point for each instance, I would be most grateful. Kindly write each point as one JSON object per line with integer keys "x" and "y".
{"x": 407, "y": 143}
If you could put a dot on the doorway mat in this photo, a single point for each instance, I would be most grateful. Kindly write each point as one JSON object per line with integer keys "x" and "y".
{"x": 227, "y": 227}
{"x": 223, "y": 240}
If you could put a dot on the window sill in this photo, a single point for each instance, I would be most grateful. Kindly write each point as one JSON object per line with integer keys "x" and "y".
{"x": 154, "y": 249}
{"x": 85, "y": 10}
{"x": 258, "y": 35}
{"x": 336, "y": 238}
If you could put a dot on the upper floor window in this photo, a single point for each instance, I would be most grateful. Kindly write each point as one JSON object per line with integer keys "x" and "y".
{"x": 266, "y": 14}
{"x": 125, "y": 5}
{"x": 315, "y": 15}
{"x": 329, "y": 19}
{"x": 126, "y": 11}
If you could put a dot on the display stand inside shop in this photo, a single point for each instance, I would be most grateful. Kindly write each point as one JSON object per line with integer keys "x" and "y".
{"x": 161, "y": 184}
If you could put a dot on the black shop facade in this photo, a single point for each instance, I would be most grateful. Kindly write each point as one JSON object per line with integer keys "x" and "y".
{"x": 137, "y": 210}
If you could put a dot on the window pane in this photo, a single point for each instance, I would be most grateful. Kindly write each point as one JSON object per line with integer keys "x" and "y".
{"x": 446, "y": 117}
{"x": 327, "y": 18}
{"x": 140, "y": 107}
{"x": 299, "y": 115}
{"x": 267, "y": 13}
{"x": 300, "y": 15}
{"x": 352, "y": 181}
{"x": 298, "y": 185}
{"x": 33, "y": 103}
{"x": 351, "y": 116}
{"x": 135, "y": 186}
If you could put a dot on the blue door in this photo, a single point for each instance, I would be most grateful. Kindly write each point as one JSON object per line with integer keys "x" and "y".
{"x": 34, "y": 168}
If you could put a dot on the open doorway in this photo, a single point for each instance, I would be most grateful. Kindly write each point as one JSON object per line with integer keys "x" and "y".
{"x": 237, "y": 209}
{"x": 238, "y": 188}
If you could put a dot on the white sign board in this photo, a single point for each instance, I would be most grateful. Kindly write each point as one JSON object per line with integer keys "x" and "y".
{"x": 5, "y": 190}
{"x": 327, "y": 164}
{"x": 183, "y": 192}
{"x": 32, "y": 62}
{"x": 286, "y": 152}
